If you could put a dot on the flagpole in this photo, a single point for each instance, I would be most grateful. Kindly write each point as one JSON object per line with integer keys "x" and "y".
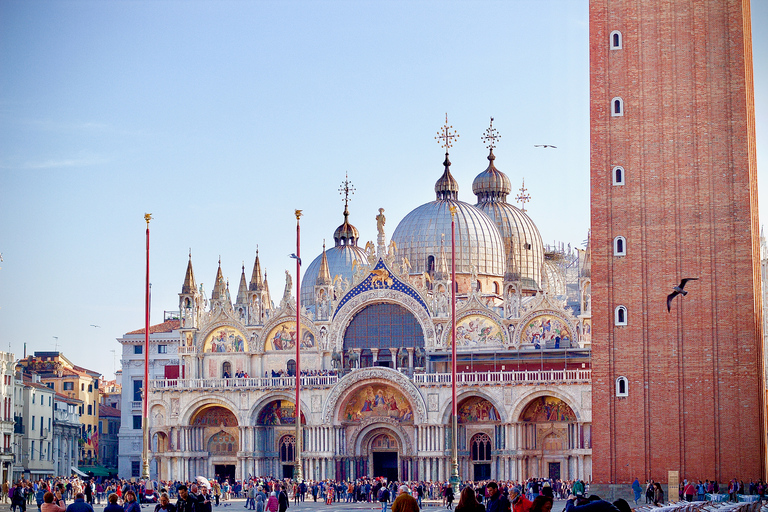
{"x": 145, "y": 393}
{"x": 454, "y": 409}
{"x": 298, "y": 473}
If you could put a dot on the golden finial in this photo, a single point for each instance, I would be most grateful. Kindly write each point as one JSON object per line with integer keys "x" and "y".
{"x": 298, "y": 214}
{"x": 147, "y": 217}
{"x": 453, "y": 211}
{"x": 446, "y": 135}
{"x": 522, "y": 197}
{"x": 492, "y": 135}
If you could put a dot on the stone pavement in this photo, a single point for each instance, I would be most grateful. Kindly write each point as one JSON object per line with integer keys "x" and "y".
{"x": 238, "y": 505}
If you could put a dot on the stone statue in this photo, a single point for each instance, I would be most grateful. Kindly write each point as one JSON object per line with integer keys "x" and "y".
{"x": 380, "y": 221}
{"x": 288, "y": 285}
{"x": 336, "y": 359}
{"x": 354, "y": 359}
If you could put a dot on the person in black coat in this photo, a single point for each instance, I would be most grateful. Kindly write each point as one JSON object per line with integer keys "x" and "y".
{"x": 282, "y": 500}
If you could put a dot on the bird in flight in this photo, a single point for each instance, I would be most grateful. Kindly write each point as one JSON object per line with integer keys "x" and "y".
{"x": 678, "y": 289}
{"x": 544, "y": 146}
{"x": 293, "y": 255}
{"x": 93, "y": 325}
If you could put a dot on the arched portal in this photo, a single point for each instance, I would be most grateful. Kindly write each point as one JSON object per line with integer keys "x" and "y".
{"x": 287, "y": 451}
{"x": 384, "y": 456}
{"x": 214, "y": 430}
{"x": 549, "y": 434}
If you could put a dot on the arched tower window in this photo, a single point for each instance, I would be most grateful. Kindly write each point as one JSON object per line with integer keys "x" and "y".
{"x": 226, "y": 369}
{"x": 622, "y": 386}
{"x": 496, "y": 287}
{"x": 617, "y": 107}
{"x": 616, "y": 40}
{"x": 287, "y": 447}
{"x": 481, "y": 447}
{"x": 618, "y": 175}
{"x": 620, "y": 315}
{"x": 290, "y": 366}
{"x": 619, "y": 246}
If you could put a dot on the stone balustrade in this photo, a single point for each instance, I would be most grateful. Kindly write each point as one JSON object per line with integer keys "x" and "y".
{"x": 419, "y": 379}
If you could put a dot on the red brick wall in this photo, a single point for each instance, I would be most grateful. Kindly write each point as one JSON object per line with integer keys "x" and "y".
{"x": 688, "y": 209}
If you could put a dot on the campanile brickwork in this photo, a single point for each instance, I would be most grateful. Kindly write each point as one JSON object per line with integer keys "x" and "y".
{"x": 686, "y": 206}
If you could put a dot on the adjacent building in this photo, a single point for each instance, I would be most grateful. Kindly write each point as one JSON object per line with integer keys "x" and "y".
{"x": 7, "y": 422}
{"x": 109, "y": 429}
{"x": 73, "y": 381}
{"x": 678, "y": 385}
{"x": 67, "y": 433}
{"x": 36, "y": 415}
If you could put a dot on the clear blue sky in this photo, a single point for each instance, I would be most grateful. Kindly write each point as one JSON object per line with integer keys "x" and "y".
{"x": 221, "y": 118}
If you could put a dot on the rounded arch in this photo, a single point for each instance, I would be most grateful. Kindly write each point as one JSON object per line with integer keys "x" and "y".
{"x": 361, "y": 438}
{"x": 383, "y": 325}
{"x": 523, "y": 402}
{"x": 256, "y": 408}
{"x": 227, "y": 336}
{"x": 206, "y": 401}
{"x": 474, "y": 393}
{"x": 343, "y": 317}
{"x": 353, "y": 381}
{"x": 524, "y": 333}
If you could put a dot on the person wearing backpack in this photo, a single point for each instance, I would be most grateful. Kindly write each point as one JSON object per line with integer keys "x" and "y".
{"x": 383, "y": 497}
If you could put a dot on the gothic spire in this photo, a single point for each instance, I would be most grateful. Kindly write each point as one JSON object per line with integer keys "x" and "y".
{"x": 324, "y": 274}
{"x": 189, "y": 285}
{"x": 242, "y": 291}
{"x": 220, "y": 286}
{"x": 257, "y": 284}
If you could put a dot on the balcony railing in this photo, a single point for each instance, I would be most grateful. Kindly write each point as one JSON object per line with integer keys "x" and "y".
{"x": 513, "y": 377}
{"x": 250, "y": 382}
{"x": 430, "y": 379}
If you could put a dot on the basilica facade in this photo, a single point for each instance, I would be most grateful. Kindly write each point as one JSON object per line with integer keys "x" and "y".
{"x": 375, "y": 343}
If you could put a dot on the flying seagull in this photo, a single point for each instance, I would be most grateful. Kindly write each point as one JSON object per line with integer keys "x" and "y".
{"x": 678, "y": 290}
{"x": 92, "y": 325}
{"x": 544, "y": 146}
{"x": 293, "y": 255}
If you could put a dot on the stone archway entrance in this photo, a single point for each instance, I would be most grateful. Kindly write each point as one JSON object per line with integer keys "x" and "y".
{"x": 384, "y": 453}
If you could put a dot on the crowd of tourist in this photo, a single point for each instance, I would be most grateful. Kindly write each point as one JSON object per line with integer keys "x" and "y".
{"x": 266, "y": 494}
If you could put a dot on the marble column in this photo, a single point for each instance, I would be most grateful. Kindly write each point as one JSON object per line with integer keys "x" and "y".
{"x": 410, "y": 358}
{"x": 375, "y": 353}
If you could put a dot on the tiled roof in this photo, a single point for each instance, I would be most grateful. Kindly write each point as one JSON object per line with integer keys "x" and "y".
{"x": 107, "y": 410}
{"x": 65, "y": 398}
{"x": 167, "y": 326}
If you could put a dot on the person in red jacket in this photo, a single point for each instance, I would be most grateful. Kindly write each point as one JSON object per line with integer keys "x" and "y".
{"x": 689, "y": 490}
{"x": 519, "y": 502}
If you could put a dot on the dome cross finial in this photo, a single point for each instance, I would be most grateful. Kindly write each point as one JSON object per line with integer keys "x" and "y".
{"x": 446, "y": 136}
{"x": 346, "y": 189}
{"x": 491, "y": 134}
{"x": 522, "y": 197}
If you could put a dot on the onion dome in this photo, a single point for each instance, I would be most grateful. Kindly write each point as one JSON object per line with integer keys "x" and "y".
{"x": 478, "y": 242}
{"x": 447, "y": 187}
{"x": 491, "y": 184}
{"x": 346, "y": 234}
{"x": 336, "y": 261}
{"x": 517, "y": 229}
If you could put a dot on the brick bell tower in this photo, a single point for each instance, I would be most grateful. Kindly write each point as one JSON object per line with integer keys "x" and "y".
{"x": 674, "y": 195}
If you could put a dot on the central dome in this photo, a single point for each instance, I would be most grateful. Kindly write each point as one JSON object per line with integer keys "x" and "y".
{"x": 421, "y": 233}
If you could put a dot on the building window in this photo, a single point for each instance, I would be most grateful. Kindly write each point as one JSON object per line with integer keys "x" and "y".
{"x": 69, "y": 386}
{"x": 82, "y": 387}
{"x": 90, "y": 410}
{"x": 137, "y": 422}
{"x": 617, "y": 107}
{"x": 162, "y": 349}
{"x": 135, "y": 468}
{"x": 137, "y": 385}
{"x": 496, "y": 288}
{"x": 33, "y": 397}
{"x": 619, "y": 246}
{"x": 620, "y": 315}
{"x": 138, "y": 349}
{"x": 33, "y": 423}
{"x": 622, "y": 386}
{"x": 90, "y": 388}
{"x": 287, "y": 444}
{"x": 618, "y": 175}
{"x": 616, "y": 40}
